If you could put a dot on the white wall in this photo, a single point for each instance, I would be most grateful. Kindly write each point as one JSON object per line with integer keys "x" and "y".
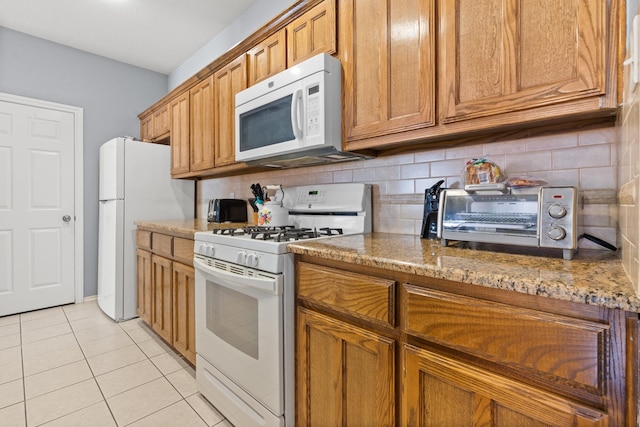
{"x": 255, "y": 17}
{"x": 111, "y": 93}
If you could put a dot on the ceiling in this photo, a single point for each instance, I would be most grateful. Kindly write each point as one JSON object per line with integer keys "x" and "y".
{"x": 158, "y": 35}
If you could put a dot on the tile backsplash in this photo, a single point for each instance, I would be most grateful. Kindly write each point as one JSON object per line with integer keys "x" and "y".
{"x": 629, "y": 179}
{"x": 586, "y": 159}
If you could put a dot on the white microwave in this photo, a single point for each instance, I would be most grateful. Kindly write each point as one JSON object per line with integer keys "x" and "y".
{"x": 293, "y": 118}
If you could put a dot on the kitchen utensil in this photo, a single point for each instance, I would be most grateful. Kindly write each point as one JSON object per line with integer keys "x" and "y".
{"x": 430, "y": 215}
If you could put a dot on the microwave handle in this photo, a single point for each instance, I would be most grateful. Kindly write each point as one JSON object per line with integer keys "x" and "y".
{"x": 296, "y": 113}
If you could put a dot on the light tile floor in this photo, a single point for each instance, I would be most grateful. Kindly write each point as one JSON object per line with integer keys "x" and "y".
{"x": 73, "y": 366}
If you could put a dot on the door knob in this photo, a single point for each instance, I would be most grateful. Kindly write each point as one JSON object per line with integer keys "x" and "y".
{"x": 66, "y": 218}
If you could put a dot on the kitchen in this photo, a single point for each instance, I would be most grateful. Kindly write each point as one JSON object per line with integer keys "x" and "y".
{"x": 587, "y": 158}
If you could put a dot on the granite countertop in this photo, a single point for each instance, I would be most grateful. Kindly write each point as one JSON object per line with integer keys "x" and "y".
{"x": 593, "y": 277}
{"x": 185, "y": 228}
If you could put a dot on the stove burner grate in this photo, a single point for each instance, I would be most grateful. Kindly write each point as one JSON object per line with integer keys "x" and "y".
{"x": 279, "y": 234}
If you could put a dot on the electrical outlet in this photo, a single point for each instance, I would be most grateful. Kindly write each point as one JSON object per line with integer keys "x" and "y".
{"x": 232, "y": 195}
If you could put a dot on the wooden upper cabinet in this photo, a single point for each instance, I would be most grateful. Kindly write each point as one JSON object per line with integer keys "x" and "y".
{"x": 312, "y": 33}
{"x": 161, "y": 122}
{"x": 202, "y": 111}
{"x": 179, "y": 111}
{"x": 229, "y": 80}
{"x": 387, "y": 54}
{"x": 146, "y": 128}
{"x": 268, "y": 58}
{"x": 498, "y": 56}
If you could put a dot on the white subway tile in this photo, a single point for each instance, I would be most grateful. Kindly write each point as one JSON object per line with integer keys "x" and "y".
{"x": 343, "y": 176}
{"x": 597, "y": 136}
{"x": 551, "y": 142}
{"x": 429, "y": 156}
{"x": 466, "y": 152}
{"x": 364, "y": 175}
{"x": 583, "y": 157}
{"x": 414, "y": 212}
{"x": 527, "y": 162}
{"x": 416, "y": 170}
{"x": 399, "y": 159}
{"x": 507, "y": 147}
{"x": 401, "y": 187}
{"x": 387, "y": 173}
{"x": 598, "y": 178}
{"x": 447, "y": 168}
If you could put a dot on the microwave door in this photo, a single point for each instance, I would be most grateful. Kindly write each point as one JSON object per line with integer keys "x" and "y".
{"x": 271, "y": 123}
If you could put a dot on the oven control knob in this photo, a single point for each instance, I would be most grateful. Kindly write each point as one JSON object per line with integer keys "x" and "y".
{"x": 209, "y": 250}
{"x": 252, "y": 260}
{"x": 241, "y": 257}
{"x": 557, "y": 233}
{"x": 557, "y": 211}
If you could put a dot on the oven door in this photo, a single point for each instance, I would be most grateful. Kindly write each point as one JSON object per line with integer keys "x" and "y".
{"x": 239, "y": 332}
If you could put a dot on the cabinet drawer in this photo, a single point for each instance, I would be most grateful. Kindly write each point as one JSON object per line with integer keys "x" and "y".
{"x": 143, "y": 239}
{"x": 571, "y": 349}
{"x": 183, "y": 250}
{"x": 365, "y": 297}
{"x": 162, "y": 244}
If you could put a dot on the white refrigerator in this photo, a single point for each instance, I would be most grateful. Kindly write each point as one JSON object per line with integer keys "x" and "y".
{"x": 135, "y": 184}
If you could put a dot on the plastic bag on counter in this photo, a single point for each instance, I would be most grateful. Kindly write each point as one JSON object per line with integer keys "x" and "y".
{"x": 522, "y": 182}
{"x": 482, "y": 171}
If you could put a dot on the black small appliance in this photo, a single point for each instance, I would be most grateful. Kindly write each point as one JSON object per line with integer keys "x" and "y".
{"x": 430, "y": 216}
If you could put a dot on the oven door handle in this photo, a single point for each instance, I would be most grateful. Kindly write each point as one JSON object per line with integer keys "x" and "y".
{"x": 270, "y": 285}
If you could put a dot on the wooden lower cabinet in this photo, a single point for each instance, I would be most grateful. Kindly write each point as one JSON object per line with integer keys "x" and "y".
{"x": 184, "y": 327}
{"x": 144, "y": 303}
{"x": 345, "y": 374}
{"x": 161, "y": 289}
{"x": 441, "y": 391}
{"x": 166, "y": 289}
{"x": 453, "y": 354}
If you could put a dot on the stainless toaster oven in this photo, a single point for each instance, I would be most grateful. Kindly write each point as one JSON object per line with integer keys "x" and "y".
{"x": 543, "y": 217}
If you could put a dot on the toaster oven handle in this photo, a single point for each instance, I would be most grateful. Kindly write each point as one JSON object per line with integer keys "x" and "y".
{"x": 296, "y": 113}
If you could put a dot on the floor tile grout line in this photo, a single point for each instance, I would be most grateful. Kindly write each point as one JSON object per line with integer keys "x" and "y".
{"x": 172, "y": 385}
{"x": 104, "y": 399}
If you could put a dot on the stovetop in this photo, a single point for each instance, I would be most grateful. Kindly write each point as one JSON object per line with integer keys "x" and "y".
{"x": 285, "y": 233}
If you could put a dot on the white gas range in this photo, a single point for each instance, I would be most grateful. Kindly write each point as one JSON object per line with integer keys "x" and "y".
{"x": 245, "y": 302}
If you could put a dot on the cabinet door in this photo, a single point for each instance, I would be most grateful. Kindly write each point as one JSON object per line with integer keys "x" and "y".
{"x": 146, "y": 128}
{"x": 179, "y": 112}
{"x": 161, "y": 122}
{"x": 498, "y": 56}
{"x": 201, "y": 105}
{"x": 312, "y": 33}
{"x": 344, "y": 374}
{"x": 387, "y": 51}
{"x": 440, "y": 391}
{"x": 228, "y": 81}
{"x": 144, "y": 302}
{"x": 184, "y": 333}
{"x": 161, "y": 290}
{"x": 268, "y": 58}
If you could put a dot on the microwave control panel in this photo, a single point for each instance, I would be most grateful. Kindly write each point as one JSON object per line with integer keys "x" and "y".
{"x": 313, "y": 110}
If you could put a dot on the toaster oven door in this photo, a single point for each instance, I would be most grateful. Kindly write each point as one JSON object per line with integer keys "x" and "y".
{"x": 493, "y": 218}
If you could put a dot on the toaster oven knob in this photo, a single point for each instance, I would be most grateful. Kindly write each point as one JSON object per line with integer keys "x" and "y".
{"x": 557, "y": 211}
{"x": 557, "y": 233}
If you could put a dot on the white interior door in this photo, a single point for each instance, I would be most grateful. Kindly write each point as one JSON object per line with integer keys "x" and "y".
{"x": 37, "y": 216}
